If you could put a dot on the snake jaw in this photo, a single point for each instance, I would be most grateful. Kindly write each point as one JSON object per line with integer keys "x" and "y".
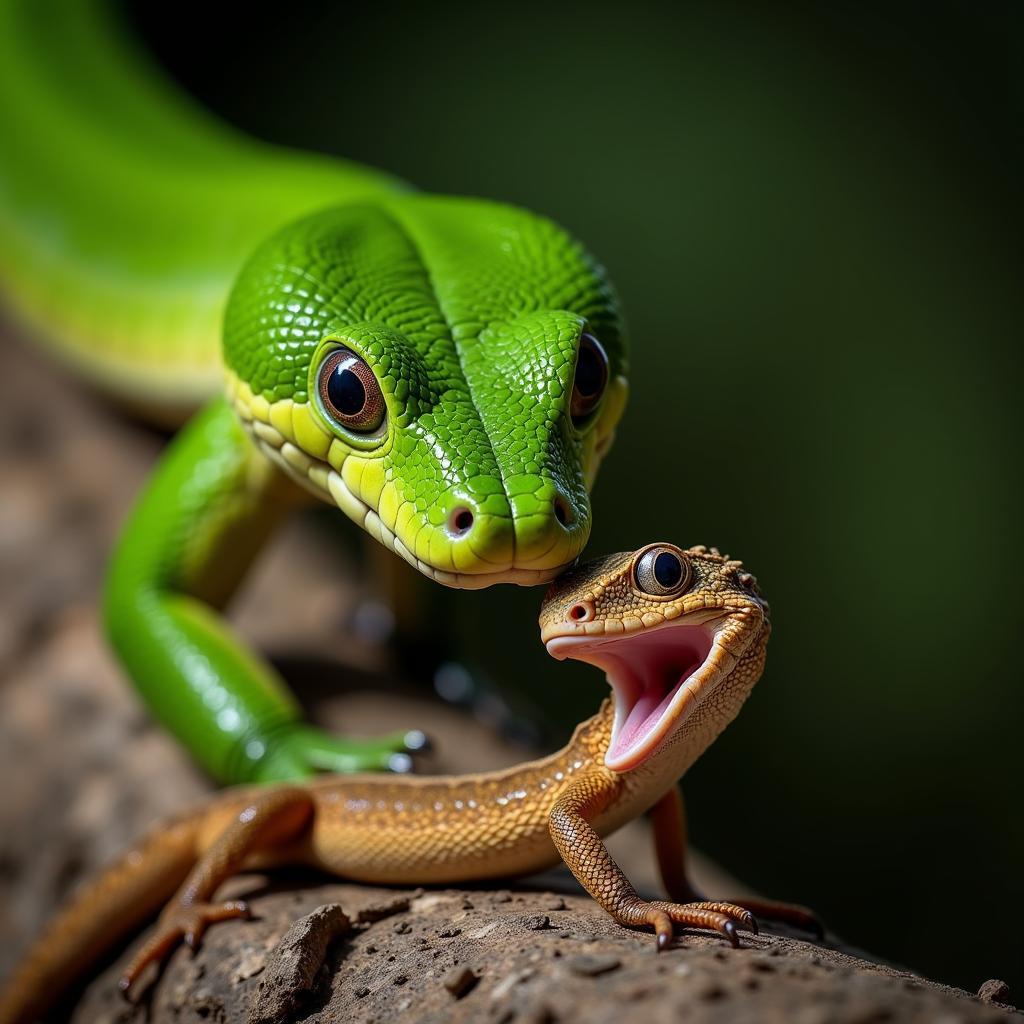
{"x": 325, "y": 482}
{"x": 659, "y": 677}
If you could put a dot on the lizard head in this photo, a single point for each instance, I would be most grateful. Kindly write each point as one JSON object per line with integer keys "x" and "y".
{"x": 680, "y": 635}
{"x": 448, "y": 372}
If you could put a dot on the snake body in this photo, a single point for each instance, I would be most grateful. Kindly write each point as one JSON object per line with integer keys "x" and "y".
{"x": 126, "y": 211}
{"x": 448, "y": 372}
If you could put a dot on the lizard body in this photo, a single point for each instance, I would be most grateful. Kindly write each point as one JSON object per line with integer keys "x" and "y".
{"x": 681, "y": 636}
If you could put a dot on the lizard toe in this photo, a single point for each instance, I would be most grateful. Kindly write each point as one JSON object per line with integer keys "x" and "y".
{"x": 177, "y": 925}
{"x": 720, "y": 917}
{"x": 794, "y": 914}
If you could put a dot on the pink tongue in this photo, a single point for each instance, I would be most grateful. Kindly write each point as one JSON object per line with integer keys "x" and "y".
{"x": 648, "y": 709}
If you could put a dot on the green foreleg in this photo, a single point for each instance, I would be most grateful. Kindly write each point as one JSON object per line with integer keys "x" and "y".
{"x": 209, "y": 507}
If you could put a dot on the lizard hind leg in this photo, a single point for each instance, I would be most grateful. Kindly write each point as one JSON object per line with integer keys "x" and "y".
{"x": 270, "y": 819}
{"x": 99, "y": 913}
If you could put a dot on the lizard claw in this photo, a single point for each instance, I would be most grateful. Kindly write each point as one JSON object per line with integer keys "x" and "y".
{"x": 400, "y": 763}
{"x": 735, "y": 911}
{"x": 720, "y": 917}
{"x": 306, "y": 750}
{"x": 416, "y": 741}
{"x": 663, "y": 928}
{"x": 787, "y": 913}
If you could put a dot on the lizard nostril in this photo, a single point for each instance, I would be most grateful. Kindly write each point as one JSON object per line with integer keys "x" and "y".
{"x": 460, "y": 522}
{"x": 582, "y": 612}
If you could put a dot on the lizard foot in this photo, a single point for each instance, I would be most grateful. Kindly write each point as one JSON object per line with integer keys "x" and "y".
{"x": 305, "y": 750}
{"x": 788, "y": 913}
{"x": 661, "y": 915}
{"x": 179, "y": 924}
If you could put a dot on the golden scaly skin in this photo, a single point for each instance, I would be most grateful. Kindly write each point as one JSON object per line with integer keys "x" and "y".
{"x": 456, "y": 828}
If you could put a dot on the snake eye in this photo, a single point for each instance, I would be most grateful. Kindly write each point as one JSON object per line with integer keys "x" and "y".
{"x": 350, "y": 393}
{"x": 590, "y": 380}
{"x": 662, "y": 571}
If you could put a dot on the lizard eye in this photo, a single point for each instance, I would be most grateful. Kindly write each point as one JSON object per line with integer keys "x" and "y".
{"x": 590, "y": 379}
{"x": 662, "y": 571}
{"x": 350, "y": 393}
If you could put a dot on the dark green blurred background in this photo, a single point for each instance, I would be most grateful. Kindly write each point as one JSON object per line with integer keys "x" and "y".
{"x": 811, "y": 214}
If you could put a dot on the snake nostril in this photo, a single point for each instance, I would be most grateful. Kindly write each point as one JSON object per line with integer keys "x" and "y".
{"x": 563, "y": 511}
{"x": 460, "y": 522}
{"x": 582, "y": 612}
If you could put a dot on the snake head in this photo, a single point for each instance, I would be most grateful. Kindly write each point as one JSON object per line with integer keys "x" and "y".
{"x": 680, "y": 635}
{"x": 448, "y": 372}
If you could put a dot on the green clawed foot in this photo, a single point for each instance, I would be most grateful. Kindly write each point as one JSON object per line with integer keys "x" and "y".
{"x": 307, "y": 751}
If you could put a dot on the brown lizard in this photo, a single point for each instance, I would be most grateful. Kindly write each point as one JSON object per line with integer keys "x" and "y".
{"x": 681, "y": 636}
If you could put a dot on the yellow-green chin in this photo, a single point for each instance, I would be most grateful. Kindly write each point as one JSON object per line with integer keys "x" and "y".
{"x": 292, "y": 438}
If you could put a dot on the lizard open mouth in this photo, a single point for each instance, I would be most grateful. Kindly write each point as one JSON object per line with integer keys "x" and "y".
{"x": 658, "y": 677}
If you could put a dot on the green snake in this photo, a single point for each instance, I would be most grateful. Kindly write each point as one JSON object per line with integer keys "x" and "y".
{"x": 448, "y": 372}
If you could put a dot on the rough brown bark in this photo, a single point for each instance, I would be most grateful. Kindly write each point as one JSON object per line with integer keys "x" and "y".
{"x": 533, "y": 955}
{"x": 83, "y": 770}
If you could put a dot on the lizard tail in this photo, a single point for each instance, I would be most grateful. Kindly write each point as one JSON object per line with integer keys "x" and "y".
{"x": 102, "y": 911}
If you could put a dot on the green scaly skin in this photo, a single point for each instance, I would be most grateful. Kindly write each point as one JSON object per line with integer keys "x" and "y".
{"x": 125, "y": 216}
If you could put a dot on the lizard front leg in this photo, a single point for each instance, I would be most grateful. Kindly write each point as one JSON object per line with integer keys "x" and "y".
{"x": 589, "y": 860}
{"x": 206, "y": 512}
{"x": 668, "y": 818}
{"x": 271, "y": 819}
